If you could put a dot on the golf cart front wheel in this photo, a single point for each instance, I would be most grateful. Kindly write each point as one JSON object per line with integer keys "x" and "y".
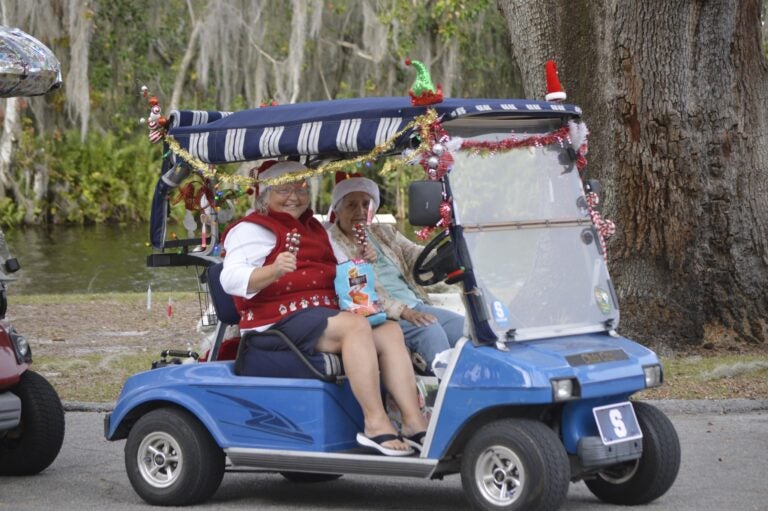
{"x": 515, "y": 464}
{"x": 32, "y": 446}
{"x": 171, "y": 459}
{"x": 642, "y": 481}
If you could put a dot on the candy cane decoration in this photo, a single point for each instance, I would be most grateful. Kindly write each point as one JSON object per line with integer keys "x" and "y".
{"x": 605, "y": 228}
{"x": 361, "y": 237}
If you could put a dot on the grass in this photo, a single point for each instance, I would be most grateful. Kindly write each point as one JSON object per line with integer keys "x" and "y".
{"x": 159, "y": 297}
{"x": 92, "y": 378}
{"x": 713, "y": 377}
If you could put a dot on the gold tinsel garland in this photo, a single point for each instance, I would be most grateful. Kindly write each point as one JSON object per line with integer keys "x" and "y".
{"x": 422, "y": 122}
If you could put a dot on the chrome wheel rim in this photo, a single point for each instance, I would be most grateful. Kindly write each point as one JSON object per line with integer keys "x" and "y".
{"x": 499, "y": 475}
{"x": 160, "y": 459}
{"x": 620, "y": 474}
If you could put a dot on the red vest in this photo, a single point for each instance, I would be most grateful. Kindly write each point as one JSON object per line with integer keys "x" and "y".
{"x": 311, "y": 285}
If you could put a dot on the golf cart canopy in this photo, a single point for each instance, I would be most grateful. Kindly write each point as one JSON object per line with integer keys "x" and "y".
{"x": 344, "y": 126}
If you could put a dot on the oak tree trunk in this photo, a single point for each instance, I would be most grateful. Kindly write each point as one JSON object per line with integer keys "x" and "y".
{"x": 675, "y": 95}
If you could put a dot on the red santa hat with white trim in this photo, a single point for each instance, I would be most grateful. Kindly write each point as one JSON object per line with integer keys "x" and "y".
{"x": 555, "y": 91}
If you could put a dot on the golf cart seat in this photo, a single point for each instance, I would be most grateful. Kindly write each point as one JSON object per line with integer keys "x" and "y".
{"x": 287, "y": 363}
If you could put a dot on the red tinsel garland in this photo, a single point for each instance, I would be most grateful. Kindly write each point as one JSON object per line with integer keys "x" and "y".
{"x": 559, "y": 136}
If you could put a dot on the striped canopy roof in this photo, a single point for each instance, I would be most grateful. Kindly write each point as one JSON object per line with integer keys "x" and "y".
{"x": 344, "y": 126}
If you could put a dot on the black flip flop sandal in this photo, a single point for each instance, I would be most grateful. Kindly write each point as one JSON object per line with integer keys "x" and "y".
{"x": 376, "y": 441}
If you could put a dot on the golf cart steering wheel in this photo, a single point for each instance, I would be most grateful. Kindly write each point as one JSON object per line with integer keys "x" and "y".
{"x": 440, "y": 265}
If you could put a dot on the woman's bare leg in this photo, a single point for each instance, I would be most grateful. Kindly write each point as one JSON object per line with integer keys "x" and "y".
{"x": 351, "y": 336}
{"x": 397, "y": 373}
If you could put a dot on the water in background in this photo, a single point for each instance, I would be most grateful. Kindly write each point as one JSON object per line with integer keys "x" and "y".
{"x": 92, "y": 259}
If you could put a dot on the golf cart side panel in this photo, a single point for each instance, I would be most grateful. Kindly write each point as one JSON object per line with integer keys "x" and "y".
{"x": 485, "y": 378}
{"x": 10, "y": 368}
{"x": 250, "y": 412}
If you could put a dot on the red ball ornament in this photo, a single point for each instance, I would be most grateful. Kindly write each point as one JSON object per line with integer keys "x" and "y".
{"x": 162, "y": 121}
{"x": 154, "y": 101}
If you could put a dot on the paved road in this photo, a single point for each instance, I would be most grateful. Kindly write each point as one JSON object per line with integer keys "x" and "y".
{"x": 725, "y": 457}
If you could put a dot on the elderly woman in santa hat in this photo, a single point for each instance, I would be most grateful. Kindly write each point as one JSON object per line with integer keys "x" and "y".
{"x": 278, "y": 287}
{"x": 428, "y": 330}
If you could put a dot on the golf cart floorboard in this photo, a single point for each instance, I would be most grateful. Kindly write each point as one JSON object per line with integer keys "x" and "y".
{"x": 331, "y": 463}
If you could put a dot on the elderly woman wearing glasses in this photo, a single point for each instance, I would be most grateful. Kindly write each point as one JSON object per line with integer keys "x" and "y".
{"x": 278, "y": 287}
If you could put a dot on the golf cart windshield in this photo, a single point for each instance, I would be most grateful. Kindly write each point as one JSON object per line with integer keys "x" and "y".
{"x": 535, "y": 254}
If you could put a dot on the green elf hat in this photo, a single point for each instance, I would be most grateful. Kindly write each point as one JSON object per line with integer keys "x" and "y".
{"x": 423, "y": 92}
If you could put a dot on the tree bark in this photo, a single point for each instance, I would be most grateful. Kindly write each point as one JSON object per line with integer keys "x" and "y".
{"x": 675, "y": 95}
{"x": 7, "y": 143}
{"x": 186, "y": 63}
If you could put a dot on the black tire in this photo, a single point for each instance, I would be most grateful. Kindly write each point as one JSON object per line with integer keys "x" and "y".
{"x": 33, "y": 445}
{"x": 515, "y": 464}
{"x": 644, "y": 480}
{"x": 172, "y": 460}
{"x": 309, "y": 477}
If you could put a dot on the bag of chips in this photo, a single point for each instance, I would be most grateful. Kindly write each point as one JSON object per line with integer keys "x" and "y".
{"x": 355, "y": 287}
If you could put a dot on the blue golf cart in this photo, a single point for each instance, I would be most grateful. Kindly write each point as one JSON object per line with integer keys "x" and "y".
{"x": 539, "y": 392}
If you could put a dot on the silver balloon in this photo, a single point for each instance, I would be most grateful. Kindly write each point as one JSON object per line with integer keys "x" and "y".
{"x": 27, "y": 66}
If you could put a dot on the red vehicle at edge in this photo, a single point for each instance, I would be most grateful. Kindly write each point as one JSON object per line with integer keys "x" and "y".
{"x": 31, "y": 414}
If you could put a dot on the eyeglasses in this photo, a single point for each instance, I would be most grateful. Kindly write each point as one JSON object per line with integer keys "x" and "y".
{"x": 300, "y": 190}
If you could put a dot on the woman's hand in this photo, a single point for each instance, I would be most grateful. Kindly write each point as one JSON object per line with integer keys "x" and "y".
{"x": 368, "y": 253}
{"x": 261, "y": 277}
{"x": 418, "y": 318}
{"x": 285, "y": 262}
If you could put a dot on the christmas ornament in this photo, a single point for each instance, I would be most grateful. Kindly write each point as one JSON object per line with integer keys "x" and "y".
{"x": 156, "y": 123}
{"x": 423, "y": 92}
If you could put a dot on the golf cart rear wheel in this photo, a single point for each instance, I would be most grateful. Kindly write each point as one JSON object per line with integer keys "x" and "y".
{"x": 515, "y": 464}
{"x": 171, "y": 459}
{"x": 644, "y": 480}
{"x": 32, "y": 446}
{"x": 309, "y": 477}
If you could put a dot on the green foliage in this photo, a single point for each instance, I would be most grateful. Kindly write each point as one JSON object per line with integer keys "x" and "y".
{"x": 10, "y": 213}
{"x": 445, "y": 19}
{"x": 106, "y": 178}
